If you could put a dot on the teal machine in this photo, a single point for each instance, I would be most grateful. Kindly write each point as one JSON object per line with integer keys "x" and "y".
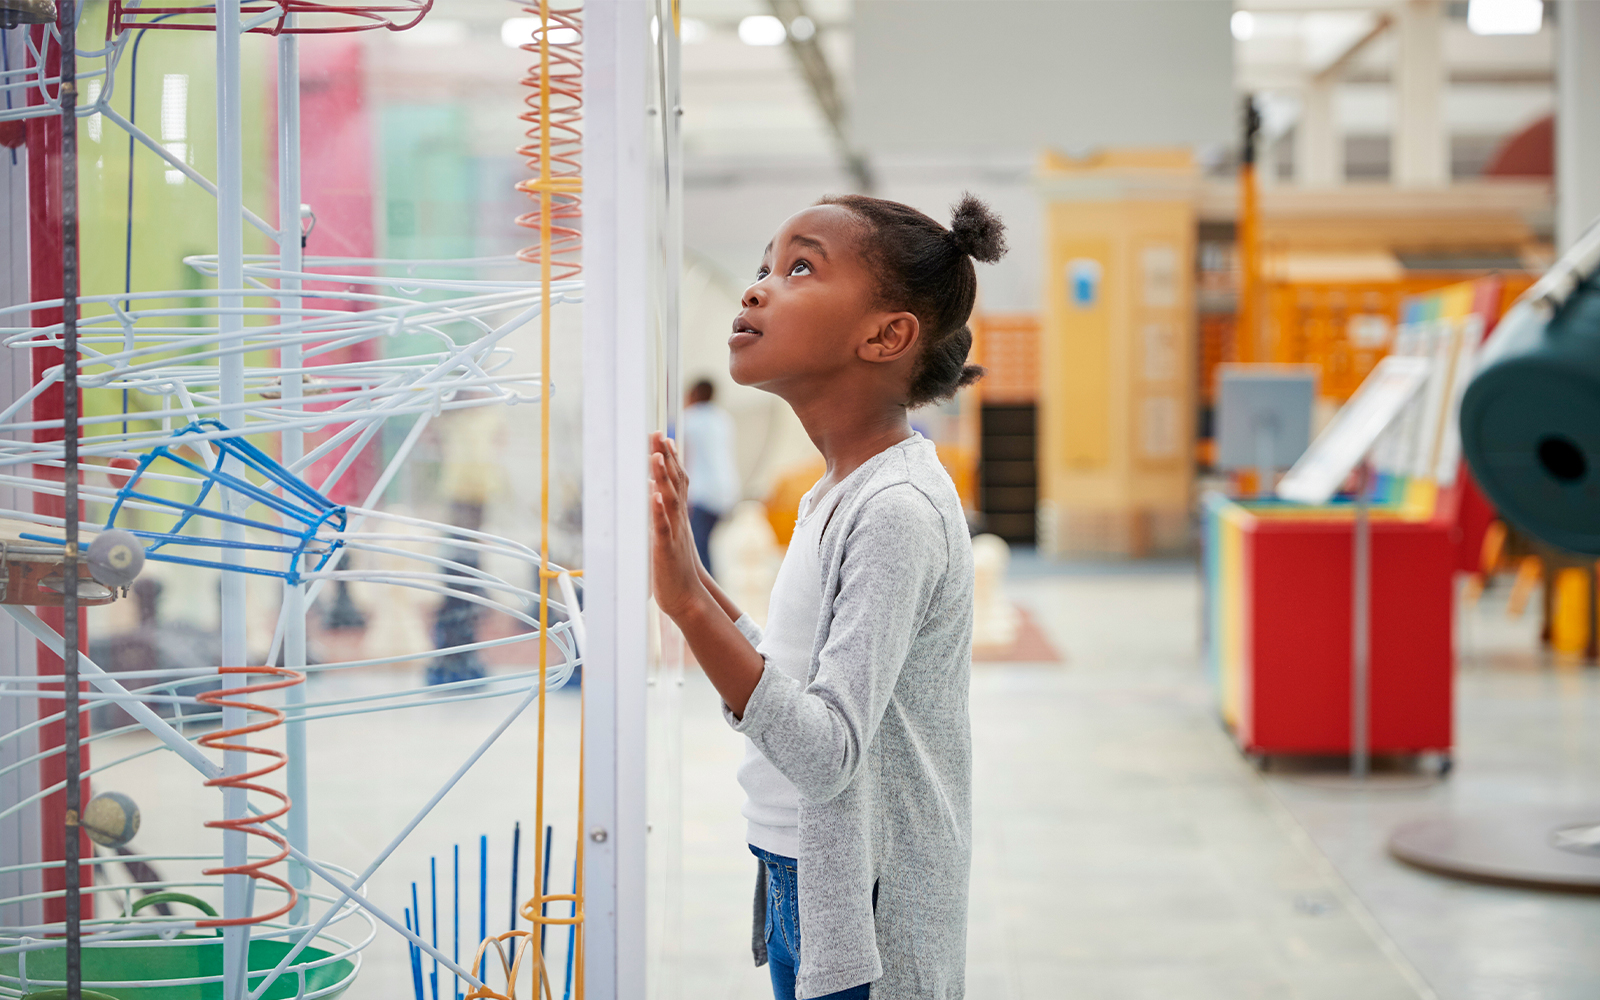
{"x": 1530, "y": 430}
{"x": 1530, "y": 419}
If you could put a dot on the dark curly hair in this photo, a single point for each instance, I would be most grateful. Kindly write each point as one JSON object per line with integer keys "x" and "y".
{"x": 927, "y": 270}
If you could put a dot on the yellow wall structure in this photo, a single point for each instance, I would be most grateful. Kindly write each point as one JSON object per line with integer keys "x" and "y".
{"x": 1117, "y": 393}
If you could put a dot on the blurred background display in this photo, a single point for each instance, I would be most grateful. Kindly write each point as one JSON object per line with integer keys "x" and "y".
{"x": 1229, "y": 742}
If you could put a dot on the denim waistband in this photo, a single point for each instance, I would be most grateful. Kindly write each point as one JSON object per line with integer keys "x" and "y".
{"x": 771, "y": 858}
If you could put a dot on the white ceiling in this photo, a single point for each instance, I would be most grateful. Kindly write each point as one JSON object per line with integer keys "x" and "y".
{"x": 745, "y": 104}
{"x": 748, "y": 107}
{"x": 981, "y": 79}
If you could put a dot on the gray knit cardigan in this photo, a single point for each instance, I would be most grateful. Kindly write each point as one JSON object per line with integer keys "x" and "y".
{"x": 878, "y": 740}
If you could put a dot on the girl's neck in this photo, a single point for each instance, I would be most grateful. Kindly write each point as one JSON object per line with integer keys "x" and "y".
{"x": 849, "y": 433}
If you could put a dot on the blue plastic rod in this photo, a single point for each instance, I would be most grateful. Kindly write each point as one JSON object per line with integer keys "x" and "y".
{"x": 572, "y": 934}
{"x": 455, "y": 913}
{"x": 516, "y": 847}
{"x": 416, "y": 959}
{"x": 544, "y": 890}
{"x": 433, "y": 902}
{"x": 483, "y": 887}
{"x": 412, "y": 954}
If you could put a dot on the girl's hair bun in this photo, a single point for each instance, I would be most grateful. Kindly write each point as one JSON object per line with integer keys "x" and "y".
{"x": 977, "y": 231}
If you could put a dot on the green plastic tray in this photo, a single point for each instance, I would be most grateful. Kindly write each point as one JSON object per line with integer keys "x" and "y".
{"x": 203, "y": 957}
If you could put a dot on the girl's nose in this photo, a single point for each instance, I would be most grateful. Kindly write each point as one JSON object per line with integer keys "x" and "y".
{"x": 753, "y": 296}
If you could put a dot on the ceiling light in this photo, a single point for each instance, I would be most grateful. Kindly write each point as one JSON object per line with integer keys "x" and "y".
{"x": 1242, "y": 24}
{"x": 693, "y": 31}
{"x": 518, "y": 31}
{"x": 1505, "y": 17}
{"x": 802, "y": 28}
{"x": 762, "y": 29}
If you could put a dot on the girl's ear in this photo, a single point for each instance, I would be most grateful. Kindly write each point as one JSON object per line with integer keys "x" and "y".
{"x": 897, "y": 335}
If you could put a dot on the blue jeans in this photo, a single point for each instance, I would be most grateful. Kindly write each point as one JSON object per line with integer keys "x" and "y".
{"x": 783, "y": 928}
{"x": 701, "y": 522}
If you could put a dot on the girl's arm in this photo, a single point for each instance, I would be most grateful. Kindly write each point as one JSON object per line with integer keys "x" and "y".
{"x": 686, "y": 592}
{"x": 817, "y": 733}
{"x": 723, "y": 600}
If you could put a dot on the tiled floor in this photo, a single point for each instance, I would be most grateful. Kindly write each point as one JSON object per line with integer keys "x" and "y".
{"x": 1123, "y": 849}
{"x": 1529, "y": 738}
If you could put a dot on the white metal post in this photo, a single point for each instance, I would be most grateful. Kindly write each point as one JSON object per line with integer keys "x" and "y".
{"x": 1578, "y": 137}
{"x": 1361, "y": 630}
{"x": 19, "y": 832}
{"x": 230, "y": 300}
{"x": 1419, "y": 142}
{"x": 290, "y": 358}
{"x": 1318, "y": 154}
{"x": 1266, "y": 456}
{"x": 617, "y": 386}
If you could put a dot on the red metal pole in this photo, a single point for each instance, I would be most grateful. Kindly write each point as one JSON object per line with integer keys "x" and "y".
{"x": 44, "y": 279}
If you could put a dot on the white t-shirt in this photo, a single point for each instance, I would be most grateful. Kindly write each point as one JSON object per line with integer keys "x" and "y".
{"x": 772, "y": 804}
{"x": 708, "y": 457}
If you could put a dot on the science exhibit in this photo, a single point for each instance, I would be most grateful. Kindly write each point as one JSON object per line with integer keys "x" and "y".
{"x": 336, "y": 337}
{"x": 241, "y": 425}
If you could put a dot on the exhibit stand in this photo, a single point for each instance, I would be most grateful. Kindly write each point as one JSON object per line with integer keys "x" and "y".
{"x": 1329, "y": 610}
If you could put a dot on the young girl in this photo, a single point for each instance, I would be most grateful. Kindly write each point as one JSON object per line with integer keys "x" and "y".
{"x": 858, "y": 769}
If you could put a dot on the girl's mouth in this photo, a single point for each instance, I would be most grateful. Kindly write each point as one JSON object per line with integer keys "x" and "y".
{"x": 743, "y": 332}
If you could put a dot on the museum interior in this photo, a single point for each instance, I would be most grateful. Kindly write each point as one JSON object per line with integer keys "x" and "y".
{"x": 334, "y": 337}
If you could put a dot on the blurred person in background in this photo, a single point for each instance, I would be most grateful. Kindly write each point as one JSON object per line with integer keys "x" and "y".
{"x": 708, "y": 458}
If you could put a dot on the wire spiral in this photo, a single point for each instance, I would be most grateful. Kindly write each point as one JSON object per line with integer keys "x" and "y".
{"x": 555, "y": 134}
{"x": 247, "y": 781}
{"x": 313, "y": 17}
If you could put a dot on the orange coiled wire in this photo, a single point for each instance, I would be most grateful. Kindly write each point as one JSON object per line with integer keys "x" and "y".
{"x": 555, "y": 134}
{"x": 555, "y": 114}
{"x": 221, "y": 740}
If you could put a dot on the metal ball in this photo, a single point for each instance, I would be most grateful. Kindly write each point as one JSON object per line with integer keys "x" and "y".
{"x": 111, "y": 819}
{"x": 115, "y": 558}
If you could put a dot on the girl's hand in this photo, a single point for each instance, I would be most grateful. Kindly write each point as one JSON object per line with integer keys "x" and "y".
{"x": 675, "y": 568}
{"x": 686, "y": 592}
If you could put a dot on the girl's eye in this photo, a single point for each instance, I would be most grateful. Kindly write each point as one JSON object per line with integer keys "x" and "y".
{"x": 800, "y": 267}
{"x": 762, "y": 272}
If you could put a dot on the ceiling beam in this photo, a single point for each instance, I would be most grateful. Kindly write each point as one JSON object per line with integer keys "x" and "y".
{"x": 1334, "y": 69}
{"x": 825, "y": 90}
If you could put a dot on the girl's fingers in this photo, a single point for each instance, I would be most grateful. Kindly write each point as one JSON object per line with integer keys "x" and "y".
{"x": 679, "y": 475}
{"x": 676, "y": 466}
{"x": 662, "y": 518}
{"x": 659, "y": 444}
{"x": 660, "y": 474}
{"x": 667, "y": 483}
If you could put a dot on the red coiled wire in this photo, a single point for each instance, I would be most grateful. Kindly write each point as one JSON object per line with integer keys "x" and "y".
{"x": 562, "y": 31}
{"x": 253, "y": 825}
{"x": 316, "y": 17}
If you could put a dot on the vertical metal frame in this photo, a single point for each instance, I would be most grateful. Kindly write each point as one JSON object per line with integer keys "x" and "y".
{"x": 19, "y": 834}
{"x": 630, "y": 361}
{"x": 663, "y": 889}
{"x": 290, "y": 358}
{"x": 616, "y": 419}
{"x": 236, "y": 894}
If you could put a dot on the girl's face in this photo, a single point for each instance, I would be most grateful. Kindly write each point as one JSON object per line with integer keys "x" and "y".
{"x": 812, "y": 306}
